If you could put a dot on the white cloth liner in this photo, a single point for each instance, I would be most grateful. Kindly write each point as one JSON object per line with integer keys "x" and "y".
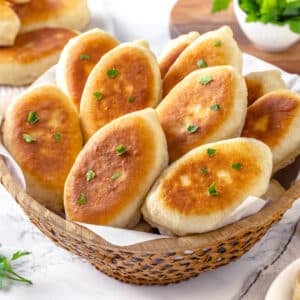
{"x": 123, "y": 237}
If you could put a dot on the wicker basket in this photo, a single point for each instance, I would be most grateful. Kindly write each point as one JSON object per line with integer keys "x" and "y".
{"x": 160, "y": 261}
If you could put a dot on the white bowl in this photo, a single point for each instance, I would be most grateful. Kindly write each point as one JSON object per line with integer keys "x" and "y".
{"x": 268, "y": 37}
{"x": 282, "y": 286}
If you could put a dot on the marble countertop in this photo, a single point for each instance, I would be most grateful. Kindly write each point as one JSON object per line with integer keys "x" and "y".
{"x": 57, "y": 274}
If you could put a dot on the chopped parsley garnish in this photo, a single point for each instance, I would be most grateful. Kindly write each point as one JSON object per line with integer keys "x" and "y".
{"x": 115, "y": 176}
{"x": 112, "y": 73}
{"x": 32, "y": 117}
{"x": 204, "y": 171}
{"x": 121, "y": 149}
{"x": 201, "y": 63}
{"x": 237, "y": 166}
{"x": 57, "y": 136}
{"x": 98, "y": 95}
{"x": 192, "y": 128}
{"x": 82, "y": 199}
{"x": 215, "y": 107}
{"x": 212, "y": 190}
{"x": 84, "y": 57}
{"x": 218, "y": 43}
{"x": 211, "y": 151}
{"x": 205, "y": 80}
{"x": 90, "y": 175}
{"x": 28, "y": 138}
{"x": 131, "y": 99}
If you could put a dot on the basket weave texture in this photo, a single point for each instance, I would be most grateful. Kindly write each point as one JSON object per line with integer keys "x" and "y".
{"x": 160, "y": 261}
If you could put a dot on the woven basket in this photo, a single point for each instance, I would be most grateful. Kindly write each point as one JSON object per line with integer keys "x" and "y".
{"x": 161, "y": 261}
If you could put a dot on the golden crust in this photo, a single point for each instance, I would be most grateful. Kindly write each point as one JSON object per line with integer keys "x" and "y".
{"x": 175, "y": 48}
{"x": 137, "y": 78}
{"x": 108, "y": 199}
{"x": 225, "y": 53}
{"x": 32, "y": 46}
{"x": 93, "y": 45}
{"x": 45, "y": 162}
{"x": 270, "y": 117}
{"x": 191, "y": 103}
{"x": 52, "y": 13}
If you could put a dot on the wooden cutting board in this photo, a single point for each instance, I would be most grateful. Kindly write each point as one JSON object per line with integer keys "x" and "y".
{"x": 189, "y": 15}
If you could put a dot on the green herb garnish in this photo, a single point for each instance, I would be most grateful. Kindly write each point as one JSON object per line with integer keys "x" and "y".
{"x": 115, "y": 176}
{"x": 57, "y": 136}
{"x": 204, "y": 171}
{"x": 201, "y": 63}
{"x": 218, "y": 43}
{"x": 219, "y": 5}
{"x": 212, "y": 190}
{"x": 7, "y": 271}
{"x": 98, "y": 95}
{"x": 121, "y": 149}
{"x": 211, "y": 151}
{"x": 112, "y": 73}
{"x": 32, "y": 117}
{"x": 82, "y": 199}
{"x": 205, "y": 80}
{"x": 131, "y": 99}
{"x": 215, "y": 107}
{"x": 237, "y": 166}
{"x": 192, "y": 128}
{"x": 84, "y": 57}
{"x": 90, "y": 175}
{"x": 28, "y": 138}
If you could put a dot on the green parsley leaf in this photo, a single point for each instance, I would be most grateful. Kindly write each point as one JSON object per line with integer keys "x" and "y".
{"x": 218, "y": 43}
{"x": 201, "y": 63}
{"x": 204, "y": 171}
{"x": 19, "y": 254}
{"x": 28, "y": 138}
{"x": 82, "y": 199}
{"x": 219, "y": 5}
{"x": 211, "y": 151}
{"x": 98, "y": 95}
{"x": 121, "y": 149}
{"x": 237, "y": 166}
{"x": 192, "y": 128}
{"x": 215, "y": 107}
{"x": 112, "y": 73}
{"x": 84, "y": 57}
{"x": 32, "y": 117}
{"x": 115, "y": 176}
{"x": 90, "y": 175}
{"x": 205, "y": 80}
{"x": 57, "y": 136}
{"x": 7, "y": 271}
{"x": 212, "y": 190}
{"x": 131, "y": 99}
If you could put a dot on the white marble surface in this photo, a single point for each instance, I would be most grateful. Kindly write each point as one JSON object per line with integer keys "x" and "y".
{"x": 57, "y": 274}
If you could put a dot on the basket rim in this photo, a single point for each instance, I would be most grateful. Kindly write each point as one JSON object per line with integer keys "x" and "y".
{"x": 267, "y": 215}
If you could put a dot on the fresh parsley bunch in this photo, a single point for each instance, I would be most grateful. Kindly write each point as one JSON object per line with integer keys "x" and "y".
{"x": 278, "y": 12}
{"x": 7, "y": 271}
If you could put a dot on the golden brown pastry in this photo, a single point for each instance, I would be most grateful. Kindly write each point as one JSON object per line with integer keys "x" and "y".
{"x": 206, "y": 106}
{"x": 296, "y": 293}
{"x": 174, "y": 49}
{"x": 274, "y": 191}
{"x": 126, "y": 79}
{"x": 9, "y": 24}
{"x": 41, "y": 131}
{"x": 38, "y": 14}
{"x": 201, "y": 189}
{"x": 275, "y": 120}
{"x": 78, "y": 58}
{"x": 261, "y": 83}
{"x": 115, "y": 170}
{"x": 32, "y": 54}
{"x": 213, "y": 48}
